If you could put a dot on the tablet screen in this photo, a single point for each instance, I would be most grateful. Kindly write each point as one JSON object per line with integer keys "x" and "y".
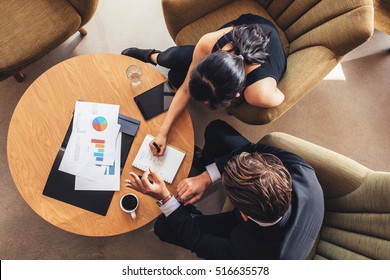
{"x": 155, "y": 101}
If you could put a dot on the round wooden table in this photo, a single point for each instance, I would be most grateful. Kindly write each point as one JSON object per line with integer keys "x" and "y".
{"x": 41, "y": 119}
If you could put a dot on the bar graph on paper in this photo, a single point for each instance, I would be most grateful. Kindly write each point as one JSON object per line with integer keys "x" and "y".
{"x": 110, "y": 170}
{"x": 98, "y": 149}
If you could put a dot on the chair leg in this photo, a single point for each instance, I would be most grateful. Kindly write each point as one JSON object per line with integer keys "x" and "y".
{"x": 83, "y": 31}
{"x": 19, "y": 77}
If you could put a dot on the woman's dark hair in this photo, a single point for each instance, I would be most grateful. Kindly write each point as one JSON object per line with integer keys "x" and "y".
{"x": 221, "y": 75}
{"x": 251, "y": 42}
{"x": 217, "y": 79}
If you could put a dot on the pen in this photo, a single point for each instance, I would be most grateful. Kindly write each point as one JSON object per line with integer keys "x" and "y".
{"x": 157, "y": 147}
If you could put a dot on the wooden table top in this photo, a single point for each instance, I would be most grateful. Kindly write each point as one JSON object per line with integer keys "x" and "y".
{"x": 41, "y": 119}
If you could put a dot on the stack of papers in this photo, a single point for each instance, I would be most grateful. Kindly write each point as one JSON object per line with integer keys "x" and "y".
{"x": 94, "y": 147}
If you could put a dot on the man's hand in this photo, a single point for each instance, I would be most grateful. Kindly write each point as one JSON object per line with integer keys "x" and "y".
{"x": 157, "y": 189}
{"x": 191, "y": 190}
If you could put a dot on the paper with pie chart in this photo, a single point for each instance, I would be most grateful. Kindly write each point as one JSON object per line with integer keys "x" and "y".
{"x": 98, "y": 125}
{"x": 91, "y": 152}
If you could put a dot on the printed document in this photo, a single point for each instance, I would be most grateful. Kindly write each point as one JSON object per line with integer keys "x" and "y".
{"x": 93, "y": 151}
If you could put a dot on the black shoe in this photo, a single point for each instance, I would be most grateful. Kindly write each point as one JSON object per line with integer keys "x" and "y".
{"x": 141, "y": 54}
{"x": 198, "y": 161}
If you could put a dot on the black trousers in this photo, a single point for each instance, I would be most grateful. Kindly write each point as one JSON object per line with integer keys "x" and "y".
{"x": 178, "y": 59}
{"x": 220, "y": 140}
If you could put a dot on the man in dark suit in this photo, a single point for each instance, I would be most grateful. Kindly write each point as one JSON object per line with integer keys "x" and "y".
{"x": 278, "y": 201}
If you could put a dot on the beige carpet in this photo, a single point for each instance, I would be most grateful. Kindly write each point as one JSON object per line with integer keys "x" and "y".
{"x": 350, "y": 116}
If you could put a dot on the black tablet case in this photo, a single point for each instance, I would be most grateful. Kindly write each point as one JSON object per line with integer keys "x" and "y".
{"x": 60, "y": 185}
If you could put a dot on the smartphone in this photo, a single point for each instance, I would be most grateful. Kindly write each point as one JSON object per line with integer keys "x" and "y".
{"x": 155, "y": 100}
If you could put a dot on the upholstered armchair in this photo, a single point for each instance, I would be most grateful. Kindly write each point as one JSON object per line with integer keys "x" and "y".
{"x": 357, "y": 202}
{"x": 30, "y": 29}
{"x": 382, "y": 15}
{"x": 316, "y": 35}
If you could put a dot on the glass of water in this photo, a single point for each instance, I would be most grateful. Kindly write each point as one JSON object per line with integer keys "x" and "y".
{"x": 134, "y": 73}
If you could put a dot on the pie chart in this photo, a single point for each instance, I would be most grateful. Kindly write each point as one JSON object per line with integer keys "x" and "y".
{"x": 99, "y": 123}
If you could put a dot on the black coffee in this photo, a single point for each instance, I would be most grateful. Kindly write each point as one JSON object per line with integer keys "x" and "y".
{"x": 129, "y": 202}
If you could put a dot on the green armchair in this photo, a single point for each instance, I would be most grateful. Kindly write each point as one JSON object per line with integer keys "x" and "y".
{"x": 30, "y": 29}
{"x": 315, "y": 35}
{"x": 357, "y": 202}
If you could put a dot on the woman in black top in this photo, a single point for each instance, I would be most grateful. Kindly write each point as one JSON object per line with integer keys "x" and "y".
{"x": 243, "y": 57}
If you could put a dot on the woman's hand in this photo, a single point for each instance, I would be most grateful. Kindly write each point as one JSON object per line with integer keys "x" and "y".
{"x": 159, "y": 141}
{"x": 191, "y": 190}
{"x": 156, "y": 189}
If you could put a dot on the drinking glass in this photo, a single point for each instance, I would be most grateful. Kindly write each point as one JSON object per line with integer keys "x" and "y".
{"x": 134, "y": 73}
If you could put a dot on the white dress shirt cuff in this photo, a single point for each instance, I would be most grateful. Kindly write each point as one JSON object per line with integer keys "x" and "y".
{"x": 170, "y": 206}
{"x": 213, "y": 171}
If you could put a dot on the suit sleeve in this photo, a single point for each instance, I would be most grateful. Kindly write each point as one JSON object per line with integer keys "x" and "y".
{"x": 205, "y": 245}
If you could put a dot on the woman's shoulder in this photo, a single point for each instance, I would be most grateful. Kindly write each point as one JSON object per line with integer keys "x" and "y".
{"x": 264, "y": 93}
{"x": 210, "y": 39}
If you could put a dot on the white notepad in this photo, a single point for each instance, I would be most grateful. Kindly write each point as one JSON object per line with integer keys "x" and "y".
{"x": 166, "y": 166}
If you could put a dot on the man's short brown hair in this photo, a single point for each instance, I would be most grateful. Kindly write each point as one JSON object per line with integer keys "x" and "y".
{"x": 258, "y": 185}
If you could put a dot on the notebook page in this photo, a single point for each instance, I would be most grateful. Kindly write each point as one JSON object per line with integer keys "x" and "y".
{"x": 166, "y": 166}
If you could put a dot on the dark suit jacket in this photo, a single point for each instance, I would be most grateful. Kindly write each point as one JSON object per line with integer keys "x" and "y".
{"x": 292, "y": 238}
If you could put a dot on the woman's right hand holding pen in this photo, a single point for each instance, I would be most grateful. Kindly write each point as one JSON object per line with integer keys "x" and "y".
{"x": 158, "y": 144}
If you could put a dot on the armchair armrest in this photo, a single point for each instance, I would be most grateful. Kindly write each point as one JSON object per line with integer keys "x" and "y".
{"x": 382, "y": 15}
{"x": 305, "y": 69}
{"x": 337, "y": 174}
{"x": 338, "y": 26}
{"x": 86, "y": 9}
{"x": 179, "y": 13}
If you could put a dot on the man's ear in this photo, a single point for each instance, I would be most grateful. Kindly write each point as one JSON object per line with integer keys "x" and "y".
{"x": 238, "y": 94}
{"x": 244, "y": 217}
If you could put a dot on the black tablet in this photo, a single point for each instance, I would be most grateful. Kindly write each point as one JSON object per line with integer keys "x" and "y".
{"x": 155, "y": 101}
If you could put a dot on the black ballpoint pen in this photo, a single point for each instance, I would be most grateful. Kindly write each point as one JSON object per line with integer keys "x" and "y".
{"x": 157, "y": 147}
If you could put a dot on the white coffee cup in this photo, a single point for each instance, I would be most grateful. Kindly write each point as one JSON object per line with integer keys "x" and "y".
{"x": 129, "y": 204}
